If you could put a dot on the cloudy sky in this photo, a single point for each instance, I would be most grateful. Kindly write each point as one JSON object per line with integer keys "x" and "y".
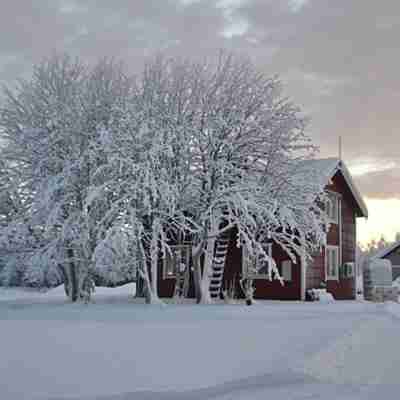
{"x": 340, "y": 60}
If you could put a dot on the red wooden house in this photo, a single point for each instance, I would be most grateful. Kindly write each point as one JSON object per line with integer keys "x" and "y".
{"x": 332, "y": 267}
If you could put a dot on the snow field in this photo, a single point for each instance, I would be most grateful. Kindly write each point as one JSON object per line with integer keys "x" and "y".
{"x": 115, "y": 349}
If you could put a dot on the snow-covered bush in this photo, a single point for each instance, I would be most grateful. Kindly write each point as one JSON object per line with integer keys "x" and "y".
{"x": 321, "y": 295}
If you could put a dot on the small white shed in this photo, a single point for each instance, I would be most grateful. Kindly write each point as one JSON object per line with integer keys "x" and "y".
{"x": 378, "y": 281}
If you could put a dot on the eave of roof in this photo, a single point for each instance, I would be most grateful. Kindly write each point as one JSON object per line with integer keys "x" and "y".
{"x": 328, "y": 167}
{"x": 387, "y": 250}
{"x": 357, "y": 195}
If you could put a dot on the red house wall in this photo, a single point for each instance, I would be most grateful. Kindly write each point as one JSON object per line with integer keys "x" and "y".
{"x": 344, "y": 288}
{"x": 264, "y": 289}
{"x": 166, "y": 287}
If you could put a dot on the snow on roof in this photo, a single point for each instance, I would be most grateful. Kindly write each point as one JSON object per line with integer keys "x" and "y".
{"x": 387, "y": 250}
{"x": 321, "y": 169}
{"x": 325, "y": 169}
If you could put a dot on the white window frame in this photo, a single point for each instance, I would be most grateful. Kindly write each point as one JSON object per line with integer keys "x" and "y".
{"x": 286, "y": 272}
{"x": 170, "y": 265}
{"x": 332, "y": 207}
{"x": 329, "y": 249}
{"x": 248, "y": 262}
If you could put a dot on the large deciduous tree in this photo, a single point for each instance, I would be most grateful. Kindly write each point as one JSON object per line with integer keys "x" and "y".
{"x": 113, "y": 170}
{"x": 52, "y": 127}
{"x": 245, "y": 144}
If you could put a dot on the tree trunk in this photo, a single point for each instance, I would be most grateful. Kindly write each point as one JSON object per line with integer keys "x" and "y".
{"x": 205, "y": 280}
{"x": 197, "y": 274}
{"x": 152, "y": 289}
{"x": 149, "y": 288}
{"x": 154, "y": 276}
{"x": 248, "y": 290}
{"x": 202, "y": 275}
{"x": 73, "y": 284}
{"x": 140, "y": 285}
{"x": 65, "y": 279}
{"x": 66, "y": 288}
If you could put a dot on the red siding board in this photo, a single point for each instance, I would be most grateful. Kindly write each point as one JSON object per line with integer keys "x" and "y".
{"x": 316, "y": 271}
{"x": 343, "y": 288}
{"x": 264, "y": 289}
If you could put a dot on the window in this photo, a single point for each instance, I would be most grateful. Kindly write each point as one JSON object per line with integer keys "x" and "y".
{"x": 332, "y": 207}
{"x": 286, "y": 270}
{"x": 256, "y": 267}
{"x": 332, "y": 262}
{"x": 176, "y": 261}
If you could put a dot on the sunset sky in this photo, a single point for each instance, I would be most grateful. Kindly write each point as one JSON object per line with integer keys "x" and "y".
{"x": 339, "y": 60}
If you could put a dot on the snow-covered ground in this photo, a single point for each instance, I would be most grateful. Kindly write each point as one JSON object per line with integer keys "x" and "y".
{"x": 116, "y": 349}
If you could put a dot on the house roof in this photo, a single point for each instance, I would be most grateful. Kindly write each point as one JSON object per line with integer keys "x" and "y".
{"x": 387, "y": 250}
{"x": 325, "y": 169}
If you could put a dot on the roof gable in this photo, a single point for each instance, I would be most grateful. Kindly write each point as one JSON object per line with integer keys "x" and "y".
{"x": 325, "y": 170}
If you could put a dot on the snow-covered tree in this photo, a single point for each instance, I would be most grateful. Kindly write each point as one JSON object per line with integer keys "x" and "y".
{"x": 9, "y": 199}
{"x": 52, "y": 128}
{"x": 117, "y": 170}
{"x": 149, "y": 171}
{"x": 18, "y": 238}
{"x": 246, "y": 142}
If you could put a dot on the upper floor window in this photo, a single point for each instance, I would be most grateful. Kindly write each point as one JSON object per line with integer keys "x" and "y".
{"x": 286, "y": 270}
{"x": 332, "y": 207}
{"x": 332, "y": 262}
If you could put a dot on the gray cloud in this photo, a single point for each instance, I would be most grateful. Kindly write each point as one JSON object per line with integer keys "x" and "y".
{"x": 381, "y": 184}
{"x": 339, "y": 59}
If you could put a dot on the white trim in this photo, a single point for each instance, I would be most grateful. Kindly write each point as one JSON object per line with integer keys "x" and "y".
{"x": 246, "y": 259}
{"x": 332, "y": 203}
{"x": 357, "y": 195}
{"x": 340, "y": 231}
{"x": 303, "y": 272}
{"x": 336, "y": 276}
